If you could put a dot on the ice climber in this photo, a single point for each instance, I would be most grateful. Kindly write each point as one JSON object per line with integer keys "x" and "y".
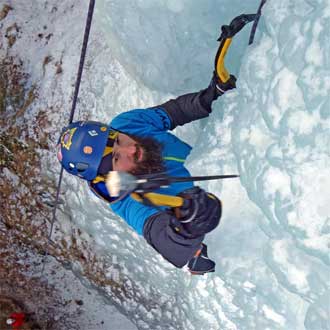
{"x": 139, "y": 142}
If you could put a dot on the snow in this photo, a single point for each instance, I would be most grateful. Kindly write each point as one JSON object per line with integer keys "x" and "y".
{"x": 94, "y": 313}
{"x": 272, "y": 247}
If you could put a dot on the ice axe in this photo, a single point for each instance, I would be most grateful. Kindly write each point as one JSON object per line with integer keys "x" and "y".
{"x": 141, "y": 187}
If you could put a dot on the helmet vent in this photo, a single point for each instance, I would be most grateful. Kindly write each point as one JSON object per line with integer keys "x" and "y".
{"x": 81, "y": 167}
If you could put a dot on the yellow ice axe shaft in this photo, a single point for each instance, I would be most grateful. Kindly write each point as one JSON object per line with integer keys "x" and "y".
{"x": 221, "y": 70}
{"x": 228, "y": 32}
{"x": 159, "y": 199}
{"x": 168, "y": 200}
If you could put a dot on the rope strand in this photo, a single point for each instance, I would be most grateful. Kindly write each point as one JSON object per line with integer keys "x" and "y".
{"x": 73, "y": 108}
{"x": 82, "y": 57}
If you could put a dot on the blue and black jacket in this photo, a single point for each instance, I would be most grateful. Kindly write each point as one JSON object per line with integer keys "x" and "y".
{"x": 153, "y": 224}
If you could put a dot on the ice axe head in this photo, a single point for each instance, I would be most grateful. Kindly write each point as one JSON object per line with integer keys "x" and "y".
{"x": 119, "y": 183}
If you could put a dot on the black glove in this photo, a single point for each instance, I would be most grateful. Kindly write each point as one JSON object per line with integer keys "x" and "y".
{"x": 229, "y": 84}
{"x": 200, "y": 213}
{"x": 219, "y": 87}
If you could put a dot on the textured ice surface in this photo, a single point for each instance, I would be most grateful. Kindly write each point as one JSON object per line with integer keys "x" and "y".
{"x": 272, "y": 248}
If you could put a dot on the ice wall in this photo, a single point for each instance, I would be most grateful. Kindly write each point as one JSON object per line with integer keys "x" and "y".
{"x": 272, "y": 248}
{"x": 281, "y": 142}
{"x": 169, "y": 44}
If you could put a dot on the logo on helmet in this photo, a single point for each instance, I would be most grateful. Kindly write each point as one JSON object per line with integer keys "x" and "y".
{"x": 66, "y": 138}
{"x": 113, "y": 135}
{"x": 93, "y": 133}
{"x": 88, "y": 150}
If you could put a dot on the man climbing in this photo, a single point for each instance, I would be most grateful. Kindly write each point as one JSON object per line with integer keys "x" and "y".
{"x": 138, "y": 142}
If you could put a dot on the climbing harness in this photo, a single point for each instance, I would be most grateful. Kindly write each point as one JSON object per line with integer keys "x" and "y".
{"x": 74, "y": 103}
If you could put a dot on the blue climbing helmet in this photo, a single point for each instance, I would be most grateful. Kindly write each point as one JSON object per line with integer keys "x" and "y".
{"x": 83, "y": 146}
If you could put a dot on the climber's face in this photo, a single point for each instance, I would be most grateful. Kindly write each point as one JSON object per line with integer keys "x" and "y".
{"x": 126, "y": 153}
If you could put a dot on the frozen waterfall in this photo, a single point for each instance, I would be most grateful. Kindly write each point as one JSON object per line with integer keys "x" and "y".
{"x": 272, "y": 247}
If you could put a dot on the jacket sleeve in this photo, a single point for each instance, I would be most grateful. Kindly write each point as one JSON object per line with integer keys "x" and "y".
{"x": 142, "y": 122}
{"x": 133, "y": 212}
{"x": 159, "y": 231}
{"x": 169, "y": 115}
{"x": 158, "y": 228}
{"x": 189, "y": 107}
